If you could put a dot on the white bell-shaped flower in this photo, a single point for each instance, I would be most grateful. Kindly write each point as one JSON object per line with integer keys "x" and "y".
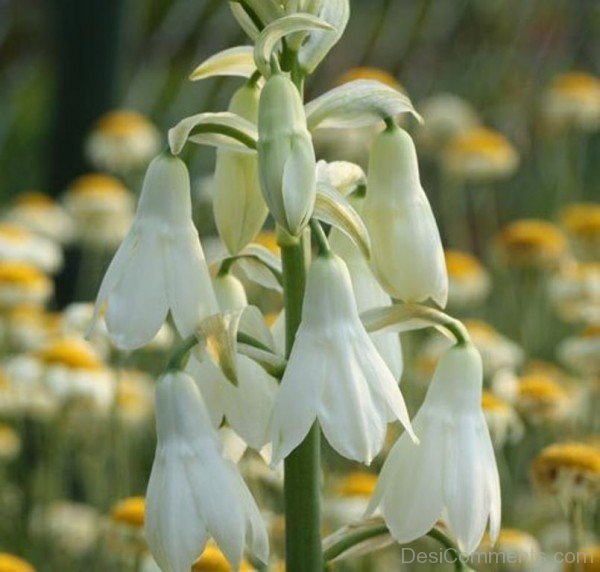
{"x": 407, "y": 258}
{"x": 368, "y": 293}
{"x": 238, "y": 204}
{"x": 452, "y": 474}
{"x": 160, "y": 266}
{"x": 247, "y": 406}
{"x": 195, "y": 493}
{"x": 335, "y": 374}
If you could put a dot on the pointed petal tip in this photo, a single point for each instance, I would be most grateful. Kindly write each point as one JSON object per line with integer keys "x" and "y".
{"x": 411, "y": 433}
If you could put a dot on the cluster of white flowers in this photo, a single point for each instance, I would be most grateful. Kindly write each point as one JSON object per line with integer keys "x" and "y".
{"x": 340, "y": 370}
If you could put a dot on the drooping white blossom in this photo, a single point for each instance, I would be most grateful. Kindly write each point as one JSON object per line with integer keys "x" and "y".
{"x": 408, "y": 258}
{"x": 194, "y": 493}
{"x": 160, "y": 266}
{"x": 335, "y": 374}
{"x": 452, "y": 473}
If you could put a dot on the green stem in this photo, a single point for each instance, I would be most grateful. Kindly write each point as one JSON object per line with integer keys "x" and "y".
{"x": 353, "y": 539}
{"x": 358, "y": 536}
{"x": 320, "y": 237}
{"x": 249, "y": 340}
{"x": 459, "y": 563}
{"x": 302, "y": 466}
{"x": 180, "y": 353}
{"x": 224, "y": 130}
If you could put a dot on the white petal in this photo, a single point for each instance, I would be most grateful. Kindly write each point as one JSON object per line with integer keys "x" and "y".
{"x": 384, "y": 385}
{"x": 248, "y": 407}
{"x": 350, "y": 419}
{"x": 390, "y": 349}
{"x": 465, "y": 485}
{"x": 493, "y": 485}
{"x": 216, "y": 494}
{"x": 336, "y": 13}
{"x": 174, "y": 528}
{"x": 257, "y": 538}
{"x": 137, "y": 306}
{"x": 114, "y": 272}
{"x": 234, "y": 446}
{"x": 191, "y": 297}
{"x": 411, "y": 484}
{"x": 208, "y": 378}
{"x": 295, "y": 408}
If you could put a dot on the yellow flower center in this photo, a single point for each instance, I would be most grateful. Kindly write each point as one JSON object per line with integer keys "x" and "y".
{"x": 577, "y": 85}
{"x": 34, "y": 199}
{"x": 576, "y": 457}
{"x": 591, "y": 331}
{"x": 123, "y": 123}
{"x": 582, "y": 219}
{"x": 481, "y": 330}
{"x": 97, "y": 184}
{"x": 462, "y": 264}
{"x": 13, "y": 233}
{"x": 483, "y": 142}
{"x": 365, "y": 72}
{"x": 509, "y": 539}
{"x": 489, "y": 402}
{"x": 510, "y": 535}
{"x": 540, "y": 387}
{"x": 130, "y": 511}
{"x": 130, "y": 395}
{"x": 268, "y": 239}
{"x": 589, "y": 560}
{"x": 582, "y": 270}
{"x": 542, "y": 368}
{"x": 533, "y": 238}
{"x": 10, "y": 563}
{"x": 72, "y": 353}
{"x": 357, "y": 484}
{"x": 21, "y": 274}
{"x": 212, "y": 560}
{"x": 30, "y": 315}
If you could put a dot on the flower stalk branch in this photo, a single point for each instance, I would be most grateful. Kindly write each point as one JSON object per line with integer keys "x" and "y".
{"x": 320, "y": 237}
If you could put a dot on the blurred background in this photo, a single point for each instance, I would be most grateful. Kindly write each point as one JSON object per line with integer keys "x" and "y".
{"x": 510, "y": 160}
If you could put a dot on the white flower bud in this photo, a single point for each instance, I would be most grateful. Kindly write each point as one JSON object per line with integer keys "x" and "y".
{"x": 239, "y": 207}
{"x": 407, "y": 258}
{"x": 286, "y": 157}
